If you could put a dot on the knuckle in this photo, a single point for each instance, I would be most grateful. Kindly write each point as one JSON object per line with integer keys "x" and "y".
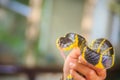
{"x": 75, "y": 65}
{"x": 98, "y": 78}
{"x": 90, "y": 73}
{"x": 83, "y": 79}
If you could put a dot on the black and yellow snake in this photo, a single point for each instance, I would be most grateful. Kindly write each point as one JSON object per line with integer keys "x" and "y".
{"x": 100, "y": 53}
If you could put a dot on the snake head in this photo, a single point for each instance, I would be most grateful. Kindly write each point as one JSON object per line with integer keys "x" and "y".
{"x": 68, "y": 42}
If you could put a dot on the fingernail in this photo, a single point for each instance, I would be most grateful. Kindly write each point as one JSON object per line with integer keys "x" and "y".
{"x": 72, "y": 64}
{"x": 79, "y": 57}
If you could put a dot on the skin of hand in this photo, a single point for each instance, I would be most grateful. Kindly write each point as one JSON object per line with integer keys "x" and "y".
{"x": 75, "y": 65}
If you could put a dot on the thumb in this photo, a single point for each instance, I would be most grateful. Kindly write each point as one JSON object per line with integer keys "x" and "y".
{"x": 72, "y": 57}
{"x": 75, "y": 53}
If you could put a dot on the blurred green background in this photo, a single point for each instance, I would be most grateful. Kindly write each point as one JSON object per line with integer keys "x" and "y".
{"x": 29, "y": 29}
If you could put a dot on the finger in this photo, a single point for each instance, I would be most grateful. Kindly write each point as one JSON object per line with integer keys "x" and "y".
{"x": 75, "y": 53}
{"x": 72, "y": 57}
{"x": 100, "y": 72}
{"x": 81, "y": 60}
{"x": 85, "y": 70}
{"x": 66, "y": 68}
{"x": 76, "y": 76}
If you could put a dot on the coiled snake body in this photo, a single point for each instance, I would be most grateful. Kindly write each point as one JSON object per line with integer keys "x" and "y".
{"x": 100, "y": 53}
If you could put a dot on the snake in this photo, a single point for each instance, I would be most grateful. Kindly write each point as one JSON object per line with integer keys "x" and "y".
{"x": 99, "y": 53}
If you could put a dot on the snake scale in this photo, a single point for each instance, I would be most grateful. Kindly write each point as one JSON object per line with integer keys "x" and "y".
{"x": 100, "y": 53}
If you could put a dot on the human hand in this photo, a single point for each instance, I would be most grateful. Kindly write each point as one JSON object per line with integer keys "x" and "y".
{"x": 81, "y": 70}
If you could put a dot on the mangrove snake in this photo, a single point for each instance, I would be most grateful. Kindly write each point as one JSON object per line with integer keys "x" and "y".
{"x": 100, "y": 53}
